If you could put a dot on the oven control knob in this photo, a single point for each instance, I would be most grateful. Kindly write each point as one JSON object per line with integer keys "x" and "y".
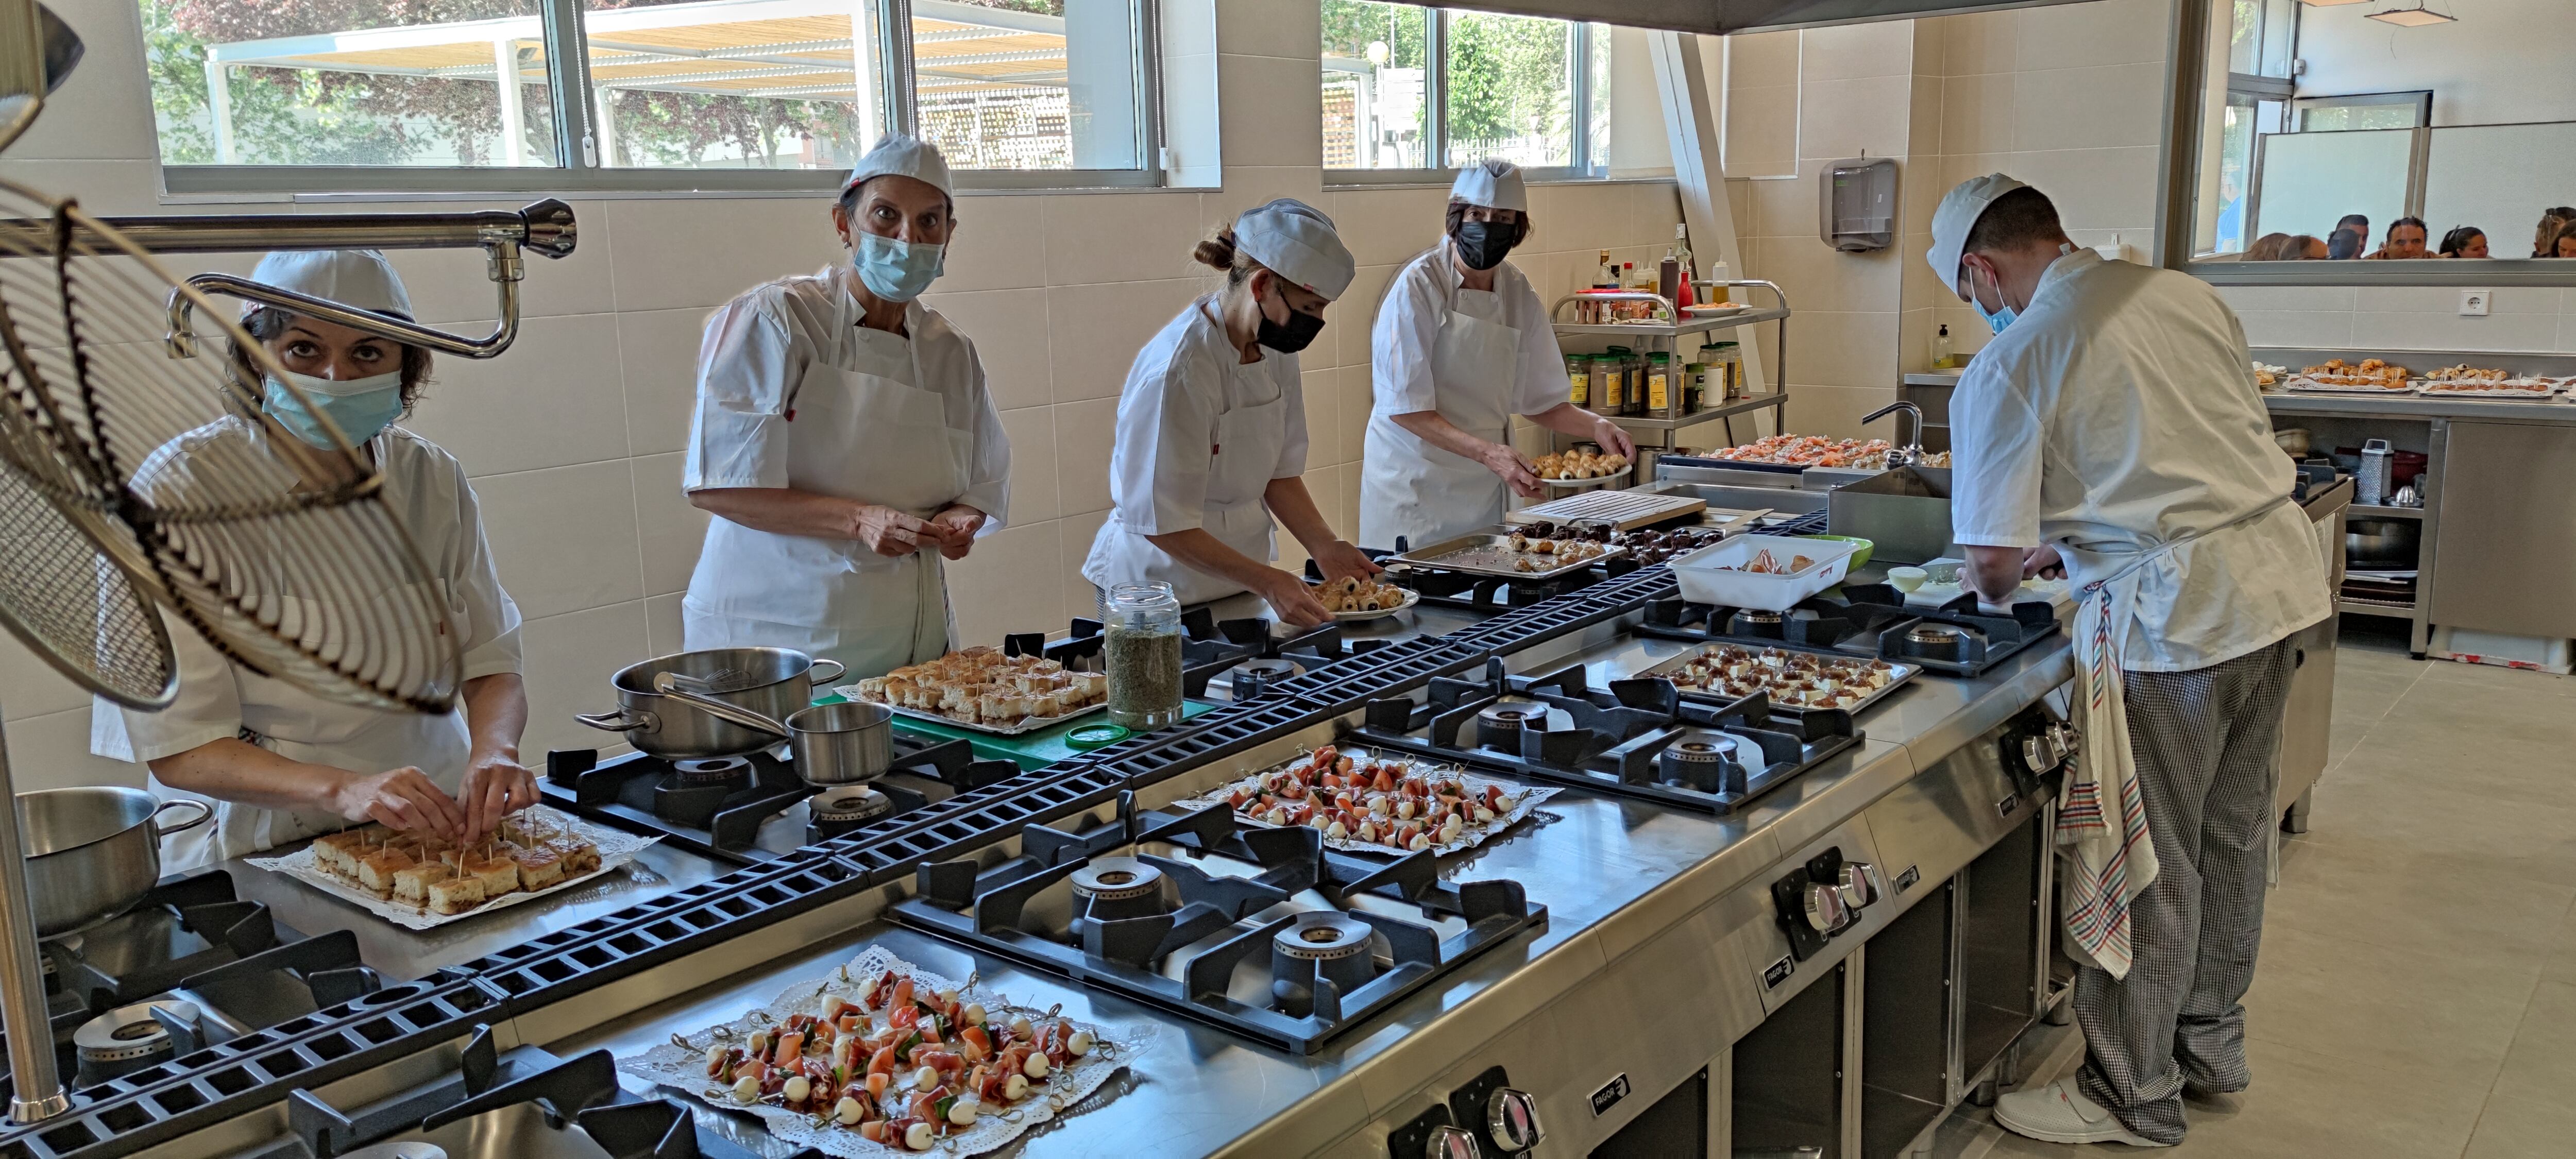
{"x": 1856, "y": 884}
{"x": 1447, "y": 1142}
{"x": 1825, "y": 910}
{"x": 1511, "y": 1119}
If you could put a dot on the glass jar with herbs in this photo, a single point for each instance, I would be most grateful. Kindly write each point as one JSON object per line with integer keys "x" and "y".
{"x": 1141, "y": 643}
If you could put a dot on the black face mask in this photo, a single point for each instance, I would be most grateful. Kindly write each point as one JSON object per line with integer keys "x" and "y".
{"x": 1482, "y": 244}
{"x": 1297, "y": 333}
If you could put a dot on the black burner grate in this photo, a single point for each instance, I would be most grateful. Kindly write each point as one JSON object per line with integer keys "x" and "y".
{"x": 1869, "y": 620}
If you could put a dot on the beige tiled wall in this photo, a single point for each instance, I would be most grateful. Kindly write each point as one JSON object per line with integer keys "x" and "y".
{"x": 574, "y": 437}
{"x": 2519, "y": 318}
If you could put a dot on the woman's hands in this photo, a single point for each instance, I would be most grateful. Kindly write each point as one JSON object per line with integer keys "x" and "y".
{"x": 2043, "y": 562}
{"x": 957, "y": 524}
{"x": 1340, "y": 558}
{"x": 893, "y": 534}
{"x": 1291, "y": 600}
{"x": 403, "y": 799}
{"x": 1613, "y": 437}
{"x": 1514, "y": 468}
{"x": 496, "y": 785}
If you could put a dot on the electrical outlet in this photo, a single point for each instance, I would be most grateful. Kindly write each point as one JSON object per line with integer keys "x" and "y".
{"x": 2476, "y": 303}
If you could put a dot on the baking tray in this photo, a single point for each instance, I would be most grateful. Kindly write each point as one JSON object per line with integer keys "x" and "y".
{"x": 1622, "y": 510}
{"x": 1431, "y": 557}
{"x": 1027, "y": 724}
{"x": 1524, "y": 799}
{"x": 1904, "y": 673}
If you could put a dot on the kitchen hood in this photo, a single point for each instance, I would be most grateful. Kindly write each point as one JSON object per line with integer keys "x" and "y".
{"x": 1724, "y": 16}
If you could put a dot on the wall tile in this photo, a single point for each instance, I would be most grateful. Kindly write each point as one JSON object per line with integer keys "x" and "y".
{"x": 657, "y": 353}
{"x": 1846, "y": 118}
{"x": 565, "y": 538}
{"x": 670, "y": 528}
{"x": 2110, "y": 32}
{"x": 1347, "y": 521}
{"x": 1000, "y": 244}
{"x": 1844, "y": 349}
{"x": 663, "y": 624}
{"x": 569, "y": 660}
{"x": 2094, "y": 188}
{"x": 1573, "y": 217}
{"x": 1979, "y": 42}
{"x": 1274, "y": 110}
{"x": 1786, "y": 208}
{"x": 1883, "y": 48}
{"x": 1074, "y": 536}
{"x": 559, "y": 385}
{"x": 2243, "y": 298}
{"x": 2450, "y": 332}
{"x": 1389, "y": 226}
{"x": 52, "y": 752}
{"x": 1323, "y": 398}
{"x": 1834, "y": 411}
{"x": 2445, "y": 300}
{"x": 694, "y": 262}
{"x": 1820, "y": 278}
{"x": 2111, "y": 106}
{"x": 1095, "y": 332}
{"x": 1269, "y": 28}
{"x": 108, "y": 91}
{"x": 1763, "y": 59}
{"x": 1761, "y": 131}
{"x": 1977, "y": 114}
{"x": 1035, "y": 494}
{"x": 1124, "y": 237}
{"x": 1653, "y": 207}
{"x": 104, "y": 187}
{"x": 1085, "y": 433}
{"x": 2323, "y": 329}
{"x": 30, "y": 687}
{"x": 1009, "y": 330}
{"x": 1249, "y": 186}
{"x": 990, "y": 592}
{"x": 1356, "y": 397}
{"x": 1351, "y": 317}
{"x": 454, "y": 288}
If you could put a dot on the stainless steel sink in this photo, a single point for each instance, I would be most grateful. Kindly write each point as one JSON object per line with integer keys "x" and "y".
{"x": 1786, "y": 499}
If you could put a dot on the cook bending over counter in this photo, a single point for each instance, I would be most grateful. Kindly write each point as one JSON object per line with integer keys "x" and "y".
{"x": 277, "y": 763}
{"x": 1211, "y": 438}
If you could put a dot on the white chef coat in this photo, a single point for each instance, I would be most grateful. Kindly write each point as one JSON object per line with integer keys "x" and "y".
{"x": 2116, "y": 415}
{"x": 217, "y": 699}
{"x": 1477, "y": 357}
{"x": 793, "y": 392}
{"x": 1200, "y": 436}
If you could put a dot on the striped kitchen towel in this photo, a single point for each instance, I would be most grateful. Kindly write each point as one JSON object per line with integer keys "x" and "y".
{"x": 2101, "y": 817}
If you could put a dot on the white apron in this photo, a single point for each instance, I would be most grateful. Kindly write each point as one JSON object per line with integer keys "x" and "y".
{"x": 2112, "y": 863}
{"x": 857, "y": 435}
{"x": 1425, "y": 493}
{"x": 1249, "y": 438}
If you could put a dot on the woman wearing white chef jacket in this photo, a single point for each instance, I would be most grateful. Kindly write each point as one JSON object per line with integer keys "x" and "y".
{"x": 844, "y": 440}
{"x": 1462, "y": 344}
{"x": 278, "y": 763}
{"x": 1212, "y": 426}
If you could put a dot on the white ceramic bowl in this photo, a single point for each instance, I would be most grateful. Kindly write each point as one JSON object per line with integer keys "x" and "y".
{"x": 1906, "y": 579}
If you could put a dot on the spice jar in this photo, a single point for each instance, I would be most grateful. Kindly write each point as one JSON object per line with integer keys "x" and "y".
{"x": 1659, "y": 384}
{"x": 1610, "y": 373}
{"x": 1141, "y": 640}
{"x": 1578, "y": 379}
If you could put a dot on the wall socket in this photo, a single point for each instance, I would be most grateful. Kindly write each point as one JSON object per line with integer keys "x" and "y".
{"x": 2476, "y": 303}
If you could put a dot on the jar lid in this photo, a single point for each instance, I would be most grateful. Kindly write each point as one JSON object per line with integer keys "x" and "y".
{"x": 1092, "y": 736}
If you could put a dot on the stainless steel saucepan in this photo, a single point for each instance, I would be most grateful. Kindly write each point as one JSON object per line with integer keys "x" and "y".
{"x": 848, "y": 743}
{"x": 92, "y": 853}
{"x": 773, "y": 682}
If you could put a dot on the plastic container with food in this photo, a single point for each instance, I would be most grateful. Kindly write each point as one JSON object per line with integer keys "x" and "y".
{"x": 1716, "y": 575}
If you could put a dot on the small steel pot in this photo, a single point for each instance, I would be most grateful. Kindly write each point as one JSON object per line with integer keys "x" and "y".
{"x": 849, "y": 743}
{"x": 92, "y": 853}
{"x": 773, "y": 682}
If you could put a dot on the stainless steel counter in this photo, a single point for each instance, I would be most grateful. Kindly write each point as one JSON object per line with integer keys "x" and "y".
{"x": 2555, "y": 411}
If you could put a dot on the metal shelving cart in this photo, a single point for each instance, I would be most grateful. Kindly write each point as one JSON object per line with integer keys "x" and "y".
{"x": 1666, "y": 335}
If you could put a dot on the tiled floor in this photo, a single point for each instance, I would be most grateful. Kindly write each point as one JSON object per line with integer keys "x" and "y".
{"x": 2416, "y": 996}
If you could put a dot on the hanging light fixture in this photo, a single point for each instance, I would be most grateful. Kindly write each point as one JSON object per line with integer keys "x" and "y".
{"x": 2416, "y": 17}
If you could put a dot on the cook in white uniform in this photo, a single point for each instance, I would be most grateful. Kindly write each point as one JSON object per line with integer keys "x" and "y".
{"x": 844, "y": 440}
{"x": 2113, "y": 424}
{"x": 1462, "y": 344}
{"x": 278, "y": 763}
{"x": 1212, "y": 426}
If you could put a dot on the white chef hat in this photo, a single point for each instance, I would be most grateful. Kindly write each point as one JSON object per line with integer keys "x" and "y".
{"x": 902, "y": 155}
{"x": 1296, "y": 241}
{"x": 1957, "y": 216}
{"x": 361, "y": 278}
{"x": 1494, "y": 184}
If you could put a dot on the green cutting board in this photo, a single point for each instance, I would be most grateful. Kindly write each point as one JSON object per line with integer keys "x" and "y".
{"x": 1032, "y": 750}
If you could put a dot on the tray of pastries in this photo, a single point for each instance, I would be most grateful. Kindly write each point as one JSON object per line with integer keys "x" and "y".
{"x": 420, "y": 882}
{"x": 982, "y": 689}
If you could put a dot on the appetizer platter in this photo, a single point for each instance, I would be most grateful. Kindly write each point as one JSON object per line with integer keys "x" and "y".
{"x": 1799, "y": 452}
{"x": 421, "y": 883}
{"x": 886, "y": 1058}
{"x": 1371, "y": 803}
{"x": 2370, "y": 376}
{"x": 1580, "y": 467}
{"x": 2528, "y": 389}
{"x": 1352, "y": 598}
{"x": 982, "y": 689}
{"x": 1725, "y": 673}
{"x": 2268, "y": 376}
{"x": 1514, "y": 555}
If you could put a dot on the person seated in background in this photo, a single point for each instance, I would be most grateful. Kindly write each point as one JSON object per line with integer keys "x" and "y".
{"x": 2564, "y": 244}
{"x": 2307, "y": 247}
{"x": 2270, "y": 247}
{"x": 2405, "y": 241}
{"x": 2543, "y": 239}
{"x": 2346, "y": 243}
{"x": 2467, "y": 241}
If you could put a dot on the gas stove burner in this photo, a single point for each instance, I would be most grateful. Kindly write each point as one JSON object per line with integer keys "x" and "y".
{"x": 726, "y": 771}
{"x": 1760, "y": 624}
{"x": 849, "y": 806}
{"x": 1317, "y": 961}
{"x": 1253, "y": 679}
{"x": 130, "y": 1038}
{"x": 1698, "y": 759}
{"x": 1499, "y": 726}
{"x": 1116, "y": 879}
{"x": 1939, "y": 642}
{"x": 1323, "y": 937}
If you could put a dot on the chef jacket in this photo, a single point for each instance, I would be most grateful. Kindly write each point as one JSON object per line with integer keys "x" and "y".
{"x": 426, "y": 489}
{"x": 2118, "y": 414}
{"x": 1418, "y": 303}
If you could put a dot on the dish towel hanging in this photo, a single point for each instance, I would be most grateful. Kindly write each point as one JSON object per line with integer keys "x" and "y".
{"x": 2101, "y": 816}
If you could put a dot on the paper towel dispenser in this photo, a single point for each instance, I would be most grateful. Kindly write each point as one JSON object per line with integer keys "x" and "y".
{"x": 1856, "y": 204}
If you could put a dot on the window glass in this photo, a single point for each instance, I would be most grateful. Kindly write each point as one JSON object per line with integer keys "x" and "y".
{"x": 1511, "y": 85}
{"x": 2329, "y": 116}
{"x": 348, "y": 82}
{"x": 1374, "y": 85}
{"x": 1597, "y": 140}
{"x": 1027, "y": 84}
{"x": 732, "y": 84}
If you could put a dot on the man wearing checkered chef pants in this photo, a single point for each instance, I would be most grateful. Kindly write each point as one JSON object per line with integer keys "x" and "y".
{"x": 2112, "y": 429}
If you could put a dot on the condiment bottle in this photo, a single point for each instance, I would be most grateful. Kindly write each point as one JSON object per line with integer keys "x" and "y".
{"x": 1141, "y": 640}
{"x": 1944, "y": 356}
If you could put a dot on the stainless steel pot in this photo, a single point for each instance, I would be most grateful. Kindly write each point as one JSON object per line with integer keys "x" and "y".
{"x": 773, "y": 682}
{"x": 849, "y": 743}
{"x": 92, "y": 853}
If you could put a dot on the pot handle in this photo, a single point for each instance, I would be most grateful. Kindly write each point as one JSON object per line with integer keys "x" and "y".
{"x": 838, "y": 670}
{"x": 618, "y": 721}
{"x": 159, "y": 831}
{"x": 669, "y": 685}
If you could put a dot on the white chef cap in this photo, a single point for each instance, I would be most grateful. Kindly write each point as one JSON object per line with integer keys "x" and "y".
{"x": 902, "y": 155}
{"x": 1494, "y": 184}
{"x": 1296, "y": 241}
{"x": 1957, "y": 216}
{"x": 361, "y": 278}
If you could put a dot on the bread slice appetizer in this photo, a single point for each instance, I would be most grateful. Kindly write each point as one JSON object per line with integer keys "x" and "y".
{"x": 454, "y": 894}
{"x": 411, "y": 886}
{"x": 494, "y": 870}
{"x": 376, "y": 870}
{"x": 539, "y": 867}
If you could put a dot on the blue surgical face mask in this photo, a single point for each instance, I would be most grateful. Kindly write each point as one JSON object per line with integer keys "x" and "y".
{"x": 1997, "y": 320}
{"x": 360, "y": 407}
{"x": 895, "y": 270}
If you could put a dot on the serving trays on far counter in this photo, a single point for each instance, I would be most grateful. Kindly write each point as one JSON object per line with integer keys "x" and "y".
{"x": 1770, "y": 668}
{"x": 1490, "y": 553}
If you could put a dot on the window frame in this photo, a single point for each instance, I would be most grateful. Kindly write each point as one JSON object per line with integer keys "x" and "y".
{"x": 2421, "y": 99}
{"x": 1435, "y": 96}
{"x": 573, "y": 102}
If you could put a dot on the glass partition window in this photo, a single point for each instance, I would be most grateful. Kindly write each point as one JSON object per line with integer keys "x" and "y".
{"x": 1413, "y": 92}
{"x": 704, "y": 85}
{"x": 1510, "y": 88}
{"x": 1375, "y": 77}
